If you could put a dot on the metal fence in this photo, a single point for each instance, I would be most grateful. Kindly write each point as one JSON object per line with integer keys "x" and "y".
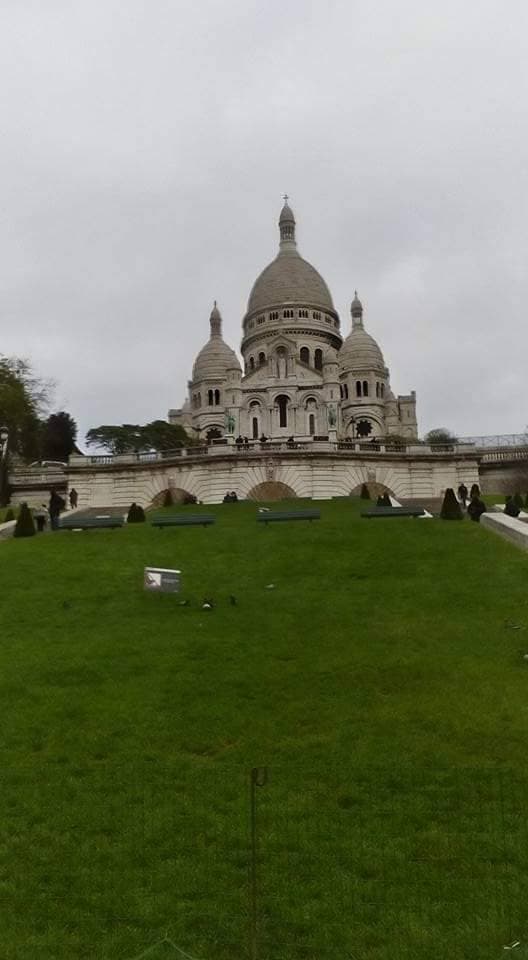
{"x": 119, "y": 863}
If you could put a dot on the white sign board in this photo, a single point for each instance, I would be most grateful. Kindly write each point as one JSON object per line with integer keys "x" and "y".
{"x": 161, "y": 580}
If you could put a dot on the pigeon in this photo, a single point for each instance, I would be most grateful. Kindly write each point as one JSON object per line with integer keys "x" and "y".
{"x": 207, "y": 604}
{"x": 183, "y": 603}
{"x": 270, "y": 586}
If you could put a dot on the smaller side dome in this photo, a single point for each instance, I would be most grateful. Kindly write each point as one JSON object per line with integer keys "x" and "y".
{"x": 360, "y": 351}
{"x": 216, "y": 357}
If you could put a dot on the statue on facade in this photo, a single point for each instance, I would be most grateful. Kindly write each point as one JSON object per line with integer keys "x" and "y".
{"x": 229, "y": 423}
{"x": 332, "y": 416}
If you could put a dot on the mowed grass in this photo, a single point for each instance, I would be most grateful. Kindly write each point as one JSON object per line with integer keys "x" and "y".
{"x": 381, "y": 682}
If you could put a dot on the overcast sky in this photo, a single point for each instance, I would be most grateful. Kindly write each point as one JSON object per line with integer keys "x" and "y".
{"x": 145, "y": 148}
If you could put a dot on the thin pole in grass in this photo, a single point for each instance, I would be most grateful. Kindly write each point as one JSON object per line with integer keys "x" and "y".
{"x": 258, "y": 778}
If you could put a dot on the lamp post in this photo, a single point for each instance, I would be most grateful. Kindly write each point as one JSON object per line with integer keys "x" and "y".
{"x": 4, "y": 486}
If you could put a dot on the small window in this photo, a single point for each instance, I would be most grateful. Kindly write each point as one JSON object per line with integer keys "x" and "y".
{"x": 311, "y": 424}
{"x": 217, "y": 397}
{"x": 305, "y": 355}
{"x": 210, "y": 397}
{"x": 262, "y": 359}
{"x": 358, "y": 388}
{"x": 254, "y": 428}
{"x": 382, "y": 389}
{"x": 345, "y": 388}
{"x": 282, "y": 403}
{"x": 377, "y": 389}
{"x": 287, "y": 314}
{"x": 261, "y": 319}
{"x": 251, "y": 363}
{"x": 365, "y": 388}
{"x": 318, "y": 359}
{"x": 316, "y": 315}
{"x": 328, "y": 319}
{"x": 303, "y": 313}
{"x": 274, "y": 315}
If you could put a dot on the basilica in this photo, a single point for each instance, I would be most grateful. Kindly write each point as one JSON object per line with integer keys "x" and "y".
{"x": 298, "y": 379}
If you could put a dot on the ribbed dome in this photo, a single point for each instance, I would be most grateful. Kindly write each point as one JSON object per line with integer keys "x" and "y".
{"x": 216, "y": 358}
{"x": 359, "y": 352}
{"x": 289, "y": 279}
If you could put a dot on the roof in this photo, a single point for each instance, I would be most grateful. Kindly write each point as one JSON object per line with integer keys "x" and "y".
{"x": 289, "y": 279}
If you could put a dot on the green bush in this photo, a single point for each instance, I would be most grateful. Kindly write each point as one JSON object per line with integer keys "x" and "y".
{"x": 9, "y": 515}
{"x": 518, "y": 500}
{"x": 136, "y": 514}
{"x": 24, "y": 525}
{"x": 526, "y": 500}
{"x": 476, "y": 508}
{"x": 511, "y": 509}
{"x": 365, "y": 495}
{"x": 475, "y": 491}
{"x": 167, "y": 499}
{"x": 451, "y": 507}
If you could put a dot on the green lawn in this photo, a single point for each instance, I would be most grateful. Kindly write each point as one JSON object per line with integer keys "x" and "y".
{"x": 381, "y": 681}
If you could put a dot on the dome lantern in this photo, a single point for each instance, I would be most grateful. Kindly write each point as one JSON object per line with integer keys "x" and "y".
{"x": 287, "y": 226}
{"x": 215, "y": 321}
{"x": 356, "y": 309}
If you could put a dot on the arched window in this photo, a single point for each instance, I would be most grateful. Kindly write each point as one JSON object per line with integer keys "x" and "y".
{"x": 282, "y": 403}
{"x": 262, "y": 359}
{"x": 213, "y": 434}
{"x": 365, "y": 388}
{"x": 345, "y": 389}
{"x": 318, "y": 359}
{"x": 251, "y": 363}
{"x": 358, "y": 388}
{"x": 217, "y": 397}
{"x": 377, "y": 389}
{"x": 382, "y": 389}
{"x": 311, "y": 424}
{"x": 210, "y": 398}
{"x": 305, "y": 355}
{"x": 255, "y": 428}
{"x": 341, "y": 394}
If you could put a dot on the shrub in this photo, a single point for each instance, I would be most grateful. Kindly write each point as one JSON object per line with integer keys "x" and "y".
{"x": 526, "y": 500}
{"x": 379, "y": 501}
{"x": 9, "y": 515}
{"x": 476, "y": 508}
{"x": 167, "y": 499}
{"x": 385, "y": 500}
{"x": 24, "y": 525}
{"x": 136, "y": 514}
{"x": 189, "y": 498}
{"x": 518, "y": 500}
{"x": 511, "y": 509}
{"x": 365, "y": 495}
{"x": 475, "y": 491}
{"x": 451, "y": 507}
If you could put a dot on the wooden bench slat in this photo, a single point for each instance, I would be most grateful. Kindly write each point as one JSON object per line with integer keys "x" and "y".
{"x": 392, "y": 512}
{"x": 272, "y": 516}
{"x": 178, "y": 521}
{"x": 91, "y": 523}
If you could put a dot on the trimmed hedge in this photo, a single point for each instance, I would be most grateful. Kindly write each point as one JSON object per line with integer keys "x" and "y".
{"x": 136, "y": 514}
{"x": 475, "y": 491}
{"x": 365, "y": 495}
{"x": 167, "y": 499}
{"x": 451, "y": 507}
{"x": 24, "y": 525}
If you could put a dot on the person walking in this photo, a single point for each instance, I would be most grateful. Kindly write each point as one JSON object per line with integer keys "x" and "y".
{"x": 74, "y": 497}
{"x": 41, "y": 516}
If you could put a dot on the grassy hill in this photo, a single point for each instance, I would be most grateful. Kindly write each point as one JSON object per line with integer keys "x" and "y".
{"x": 381, "y": 681}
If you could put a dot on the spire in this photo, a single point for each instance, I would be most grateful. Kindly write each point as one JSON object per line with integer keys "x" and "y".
{"x": 216, "y": 321}
{"x": 356, "y": 309}
{"x": 287, "y": 226}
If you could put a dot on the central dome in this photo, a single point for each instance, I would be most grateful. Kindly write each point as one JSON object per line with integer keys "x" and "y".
{"x": 289, "y": 278}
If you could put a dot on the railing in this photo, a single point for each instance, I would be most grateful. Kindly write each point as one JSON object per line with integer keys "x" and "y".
{"x": 499, "y": 456}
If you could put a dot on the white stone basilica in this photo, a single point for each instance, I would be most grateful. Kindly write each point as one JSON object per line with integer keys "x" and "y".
{"x": 300, "y": 379}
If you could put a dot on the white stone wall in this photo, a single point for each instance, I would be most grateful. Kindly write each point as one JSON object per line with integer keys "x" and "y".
{"x": 318, "y": 477}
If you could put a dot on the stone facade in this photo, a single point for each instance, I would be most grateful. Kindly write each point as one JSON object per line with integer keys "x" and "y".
{"x": 266, "y": 474}
{"x": 299, "y": 378}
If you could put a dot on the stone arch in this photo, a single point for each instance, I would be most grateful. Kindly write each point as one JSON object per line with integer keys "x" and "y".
{"x": 179, "y": 495}
{"x": 271, "y": 490}
{"x": 375, "y": 488}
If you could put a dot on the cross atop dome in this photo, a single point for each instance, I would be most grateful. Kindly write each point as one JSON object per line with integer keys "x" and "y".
{"x": 287, "y": 226}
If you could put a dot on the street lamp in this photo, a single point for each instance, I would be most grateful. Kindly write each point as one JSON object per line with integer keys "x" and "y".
{"x": 4, "y": 485}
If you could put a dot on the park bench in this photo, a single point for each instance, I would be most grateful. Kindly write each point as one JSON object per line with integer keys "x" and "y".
{"x": 180, "y": 520}
{"x": 272, "y": 515}
{"x": 393, "y": 512}
{"x": 90, "y": 523}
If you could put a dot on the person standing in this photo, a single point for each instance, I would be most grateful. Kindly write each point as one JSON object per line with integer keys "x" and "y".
{"x": 56, "y": 504}
{"x": 463, "y": 494}
{"x": 74, "y": 497}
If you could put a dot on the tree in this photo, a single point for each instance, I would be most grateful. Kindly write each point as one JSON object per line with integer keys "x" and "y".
{"x": 58, "y": 436}
{"x": 440, "y": 435}
{"x": 451, "y": 507}
{"x": 158, "y": 435}
{"x": 136, "y": 514}
{"x": 24, "y": 526}
{"x": 23, "y": 400}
